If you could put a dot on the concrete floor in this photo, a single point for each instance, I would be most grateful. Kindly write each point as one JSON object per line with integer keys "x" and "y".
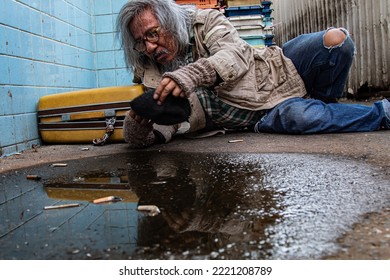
{"x": 370, "y": 237}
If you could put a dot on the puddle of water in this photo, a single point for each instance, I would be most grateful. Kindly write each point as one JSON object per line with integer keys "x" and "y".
{"x": 213, "y": 206}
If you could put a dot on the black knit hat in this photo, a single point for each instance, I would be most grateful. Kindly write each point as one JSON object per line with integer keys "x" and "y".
{"x": 174, "y": 110}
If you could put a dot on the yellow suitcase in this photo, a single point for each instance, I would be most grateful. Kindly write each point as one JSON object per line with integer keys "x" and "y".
{"x": 85, "y": 116}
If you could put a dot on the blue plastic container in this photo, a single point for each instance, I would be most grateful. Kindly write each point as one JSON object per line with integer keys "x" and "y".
{"x": 269, "y": 40}
{"x": 256, "y": 41}
{"x": 243, "y": 11}
{"x": 266, "y": 12}
{"x": 266, "y": 4}
{"x": 268, "y": 21}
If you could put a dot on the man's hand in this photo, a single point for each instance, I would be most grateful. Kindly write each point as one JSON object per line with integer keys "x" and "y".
{"x": 137, "y": 131}
{"x": 138, "y": 119}
{"x": 167, "y": 86}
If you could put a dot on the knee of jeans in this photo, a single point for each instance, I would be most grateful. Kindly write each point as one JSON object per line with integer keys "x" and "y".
{"x": 301, "y": 116}
{"x": 334, "y": 37}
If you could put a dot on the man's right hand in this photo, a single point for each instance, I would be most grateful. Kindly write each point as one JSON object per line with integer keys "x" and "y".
{"x": 138, "y": 119}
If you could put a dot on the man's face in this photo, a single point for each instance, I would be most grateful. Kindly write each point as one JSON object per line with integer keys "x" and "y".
{"x": 163, "y": 51}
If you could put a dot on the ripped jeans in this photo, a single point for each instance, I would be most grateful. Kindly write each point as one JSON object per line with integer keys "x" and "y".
{"x": 324, "y": 70}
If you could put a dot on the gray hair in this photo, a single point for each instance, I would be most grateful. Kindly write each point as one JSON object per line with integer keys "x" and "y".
{"x": 171, "y": 16}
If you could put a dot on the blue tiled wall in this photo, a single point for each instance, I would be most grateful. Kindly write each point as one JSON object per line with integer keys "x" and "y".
{"x": 51, "y": 46}
{"x": 110, "y": 63}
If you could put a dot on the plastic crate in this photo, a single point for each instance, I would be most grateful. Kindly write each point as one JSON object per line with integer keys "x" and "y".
{"x": 269, "y": 40}
{"x": 266, "y": 12}
{"x": 257, "y": 41}
{"x": 247, "y": 20}
{"x": 270, "y": 30}
{"x": 201, "y": 4}
{"x": 236, "y": 3}
{"x": 249, "y": 30}
{"x": 266, "y": 4}
{"x": 254, "y": 30}
{"x": 243, "y": 11}
{"x": 268, "y": 21}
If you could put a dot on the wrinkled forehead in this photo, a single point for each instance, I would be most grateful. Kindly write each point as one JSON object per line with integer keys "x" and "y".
{"x": 143, "y": 22}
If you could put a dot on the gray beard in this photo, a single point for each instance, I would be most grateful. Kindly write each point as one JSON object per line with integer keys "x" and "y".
{"x": 172, "y": 66}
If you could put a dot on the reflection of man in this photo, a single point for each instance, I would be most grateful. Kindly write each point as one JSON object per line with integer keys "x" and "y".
{"x": 204, "y": 195}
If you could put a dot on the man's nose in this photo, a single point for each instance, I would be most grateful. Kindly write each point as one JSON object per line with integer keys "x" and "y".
{"x": 150, "y": 47}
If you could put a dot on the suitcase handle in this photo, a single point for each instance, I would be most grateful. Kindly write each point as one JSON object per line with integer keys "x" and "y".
{"x": 85, "y": 111}
{"x": 88, "y": 115}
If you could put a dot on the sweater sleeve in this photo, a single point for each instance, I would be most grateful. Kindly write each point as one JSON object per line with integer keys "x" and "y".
{"x": 198, "y": 74}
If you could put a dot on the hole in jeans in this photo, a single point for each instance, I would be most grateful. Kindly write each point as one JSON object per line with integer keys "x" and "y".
{"x": 334, "y": 37}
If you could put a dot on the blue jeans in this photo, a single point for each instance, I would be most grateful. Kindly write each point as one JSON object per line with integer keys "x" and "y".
{"x": 324, "y": 71}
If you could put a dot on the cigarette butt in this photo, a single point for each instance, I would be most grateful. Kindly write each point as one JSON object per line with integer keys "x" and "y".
{"x": 107, "y": 199}
{"x": 152, "y": 209}
{"x": 236, "y": 141}
{"x": 33, "y": 177}
{"x": 59, "y": 165}
{"x": 158, "y": 182}
{"x": 61, "y": 206}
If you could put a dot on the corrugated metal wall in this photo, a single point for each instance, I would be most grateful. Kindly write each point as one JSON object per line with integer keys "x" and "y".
{"x": 367, "y": 20}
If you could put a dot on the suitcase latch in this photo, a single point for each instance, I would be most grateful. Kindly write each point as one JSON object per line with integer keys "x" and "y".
{"x": 65, "y": 117}
{"x": 109, "y": 113}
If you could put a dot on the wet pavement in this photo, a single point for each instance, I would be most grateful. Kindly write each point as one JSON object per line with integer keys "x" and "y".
{"x": 249, "y": 203}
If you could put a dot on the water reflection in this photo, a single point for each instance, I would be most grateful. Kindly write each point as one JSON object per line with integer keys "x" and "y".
{"x": 213, "y": 206}
{"x": 210, "y": 207}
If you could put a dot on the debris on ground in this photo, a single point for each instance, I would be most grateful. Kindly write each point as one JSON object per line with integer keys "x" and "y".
{"x": 107, "y": 199}
{"x": 236, "y": 141}
{"x": 59, "y": 165}
{"x": 61, "y": 206}
{"x": 152, "y": 210}
{"x": 33, "y": 177}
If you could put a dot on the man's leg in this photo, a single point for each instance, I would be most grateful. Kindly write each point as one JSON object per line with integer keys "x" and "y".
{"x": 323, "y": 60}
{"x": 308, "y": 116}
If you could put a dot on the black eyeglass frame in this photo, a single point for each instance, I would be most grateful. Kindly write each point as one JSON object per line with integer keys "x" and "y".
{"x": 152, "y": 36}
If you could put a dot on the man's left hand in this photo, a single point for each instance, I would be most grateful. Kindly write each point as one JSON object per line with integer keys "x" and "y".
{"x": 167, "y": 86}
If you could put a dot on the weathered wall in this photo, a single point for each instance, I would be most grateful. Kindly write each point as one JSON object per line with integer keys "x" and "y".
{"x": 367, "y": 20}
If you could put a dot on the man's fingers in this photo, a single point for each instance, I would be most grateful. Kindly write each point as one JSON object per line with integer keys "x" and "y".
{"x": 161, "y": 88}
{"x": 144, "y": 122}
{"x": 139, "y": 119}
{"x": 132, "y": 114}
{"x": 177, "y": 92}
{"x": 168, "y": 89}
{"x": 167, "y": 86}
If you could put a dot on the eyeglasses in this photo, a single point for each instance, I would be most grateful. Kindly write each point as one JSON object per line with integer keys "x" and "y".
{"x": 151, "y": 36}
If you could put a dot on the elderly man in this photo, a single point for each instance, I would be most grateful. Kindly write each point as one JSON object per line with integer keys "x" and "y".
{"x": 197, "y": 55}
